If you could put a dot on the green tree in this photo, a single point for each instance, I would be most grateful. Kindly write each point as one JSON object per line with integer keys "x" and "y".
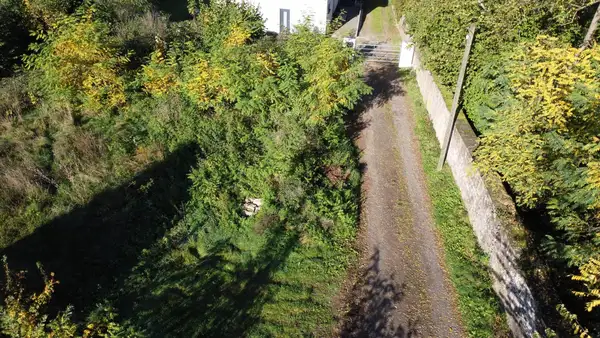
{"x": 439, "y": 28}
{"x": 224, "y": 22}
{"x": 545, "y": 144}
{"x": 45, "y": 13}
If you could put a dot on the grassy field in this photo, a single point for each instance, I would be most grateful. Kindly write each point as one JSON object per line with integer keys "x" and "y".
{"x": 480, "y": 308}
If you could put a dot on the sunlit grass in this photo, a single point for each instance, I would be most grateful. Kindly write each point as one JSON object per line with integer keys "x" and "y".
{"x": 380, "y": 24}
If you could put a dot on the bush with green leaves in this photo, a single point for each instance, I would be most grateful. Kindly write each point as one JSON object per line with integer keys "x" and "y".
{"x": 439, "y": 29}
{"x": 24, "y": 314}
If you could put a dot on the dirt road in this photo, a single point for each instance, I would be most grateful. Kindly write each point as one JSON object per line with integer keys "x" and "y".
{"x": 401, "y": 288}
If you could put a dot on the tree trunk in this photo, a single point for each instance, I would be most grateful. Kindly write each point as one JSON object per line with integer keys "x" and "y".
{"x": 591, "y": 30}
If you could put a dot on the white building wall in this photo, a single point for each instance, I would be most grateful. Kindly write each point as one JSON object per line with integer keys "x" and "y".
{"x": 299, "y": 9}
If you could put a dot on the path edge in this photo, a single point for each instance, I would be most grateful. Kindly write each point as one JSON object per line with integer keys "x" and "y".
{"x": 491, "y": 211}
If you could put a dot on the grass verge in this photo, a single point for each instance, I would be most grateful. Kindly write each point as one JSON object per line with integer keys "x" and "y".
{"x": 479, "y": 306}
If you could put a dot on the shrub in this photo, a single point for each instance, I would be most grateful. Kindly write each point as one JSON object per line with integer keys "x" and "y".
{"x": 545, "y": 144}
{"x": 222, "y": 22}
{"x": 45, "y": 13}
{"x": 26, "y": 314}
{"x": 76, "y": 61}
{"x": 439, "y": 29}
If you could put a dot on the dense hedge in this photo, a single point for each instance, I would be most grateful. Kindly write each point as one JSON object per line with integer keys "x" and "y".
{"x": 439, "y": 29}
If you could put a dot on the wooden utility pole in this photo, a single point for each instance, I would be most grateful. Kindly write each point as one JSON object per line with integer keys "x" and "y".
{"x": 457, "y": 92}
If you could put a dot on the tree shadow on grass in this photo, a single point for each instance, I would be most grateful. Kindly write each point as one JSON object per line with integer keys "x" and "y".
{"x": 92, "y": 248}
{"x": 375, "y": 297}
{"x": 371, "y": 5}
{"x": 216, "y": 294}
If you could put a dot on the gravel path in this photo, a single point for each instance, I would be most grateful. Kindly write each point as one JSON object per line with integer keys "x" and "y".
{"x": 401, "y": 288}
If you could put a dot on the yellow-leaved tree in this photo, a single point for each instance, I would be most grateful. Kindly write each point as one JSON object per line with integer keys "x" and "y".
{"x": 589, "y": 275}
{"x": 44, "y": 13}
{"x": 556, "y": 93}
{"x": 159, "y": 76}
{"x": 546, "y": 145}
{"x": 327, "y": 70}
{"x": 76, "y": 60}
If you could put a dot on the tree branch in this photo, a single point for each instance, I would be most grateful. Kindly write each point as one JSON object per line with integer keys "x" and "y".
{"x": 591, "y": 30}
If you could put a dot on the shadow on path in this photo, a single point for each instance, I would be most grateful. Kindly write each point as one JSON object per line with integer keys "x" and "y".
{"x": 369, "y": 6}
{"x": 375, "y": 299}
{"x": 349, "y": 10}
{"x": 385, "y": 81}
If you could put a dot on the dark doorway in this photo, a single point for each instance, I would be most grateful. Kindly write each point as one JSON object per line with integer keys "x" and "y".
{"x": 284, "y": 20}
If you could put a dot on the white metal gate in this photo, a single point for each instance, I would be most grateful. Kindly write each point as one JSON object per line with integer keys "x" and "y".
{"x": 379, "y": 52}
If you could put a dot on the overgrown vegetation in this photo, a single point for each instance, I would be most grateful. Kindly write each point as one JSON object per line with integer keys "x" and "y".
{"x": 531, "y": 93}
{"x": 129, "y": 145}
{"x": 480, "y": 309}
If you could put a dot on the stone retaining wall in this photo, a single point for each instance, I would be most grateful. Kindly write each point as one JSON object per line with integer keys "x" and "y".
{"x": 490, "y": 209}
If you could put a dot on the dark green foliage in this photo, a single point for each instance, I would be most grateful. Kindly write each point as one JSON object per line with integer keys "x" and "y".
{"x": 14, "y": 34}
{"x": 23, "y": 314}
{"x": 216, "y": 19}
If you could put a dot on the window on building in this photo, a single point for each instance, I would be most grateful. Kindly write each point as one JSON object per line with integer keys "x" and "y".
{"x": 284, "y": 20}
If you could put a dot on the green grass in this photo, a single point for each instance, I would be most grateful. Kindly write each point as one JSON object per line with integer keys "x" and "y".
{"x": 376, "y": 20}
{"x": 241, "y": 281}
{"x": 480, "y": 308}
{"x": 381, "y": 23}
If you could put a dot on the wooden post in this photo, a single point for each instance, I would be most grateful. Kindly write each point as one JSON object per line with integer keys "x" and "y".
{"x": 360, "y": 13}
{"x": 457, "y": 92}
